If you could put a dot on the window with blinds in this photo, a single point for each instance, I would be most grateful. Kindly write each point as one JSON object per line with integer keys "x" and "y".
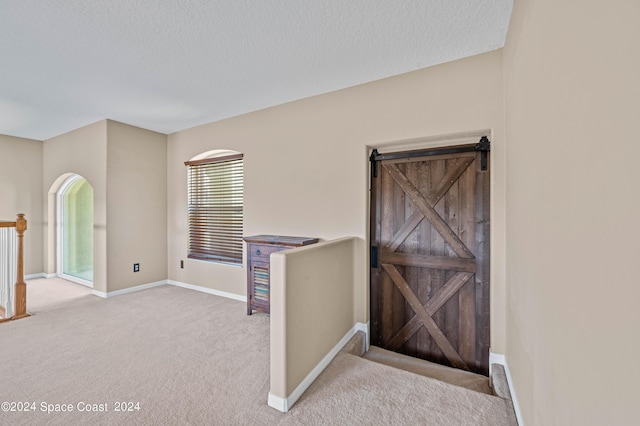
{"x": 215, "y": 209}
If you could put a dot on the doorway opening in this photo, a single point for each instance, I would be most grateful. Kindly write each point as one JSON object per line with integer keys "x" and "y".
{"x": 74, "y": 211}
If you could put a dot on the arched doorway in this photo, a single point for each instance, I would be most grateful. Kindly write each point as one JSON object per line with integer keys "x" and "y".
{"x": 74, "y": 211}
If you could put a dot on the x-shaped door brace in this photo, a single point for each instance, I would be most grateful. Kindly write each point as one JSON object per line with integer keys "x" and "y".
{"x": 424, "y": 316}
{"x": 425, "y": 208}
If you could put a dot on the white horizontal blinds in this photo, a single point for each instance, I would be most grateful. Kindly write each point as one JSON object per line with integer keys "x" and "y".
{"x": 215, "y": 209}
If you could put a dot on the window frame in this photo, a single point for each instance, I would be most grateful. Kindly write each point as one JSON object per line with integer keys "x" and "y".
{"x": 215, "y": 193}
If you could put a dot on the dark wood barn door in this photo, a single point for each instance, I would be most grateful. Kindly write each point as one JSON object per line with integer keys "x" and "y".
{"x": 430, "y": 255}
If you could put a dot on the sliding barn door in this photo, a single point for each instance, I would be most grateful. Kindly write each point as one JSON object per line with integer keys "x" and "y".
{"x": 430, "y": 255}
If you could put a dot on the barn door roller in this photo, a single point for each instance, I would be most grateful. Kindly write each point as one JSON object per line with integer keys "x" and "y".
{"x": 483, "y": 146}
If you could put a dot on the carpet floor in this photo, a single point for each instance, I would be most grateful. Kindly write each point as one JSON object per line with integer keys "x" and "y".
{"x": 179, "y": 357}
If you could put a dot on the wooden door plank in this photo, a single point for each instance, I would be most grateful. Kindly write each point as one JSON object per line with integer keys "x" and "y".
{"x": 432, "y": 216}
{"x": 386, "y": 231}
{"x": 410, "y": 246}
{"x": 437, "y": 247}
{"x": 431, "y": 307}
{"x": 374, "y": 277}
{"x": 433, "y": 262}
{"x": 466, "y": 297}
{"x": 451, "y": 216}
{"x": 482, "y": 269}
{"x": 435, "y": 331}
{"x": 425, "y": 291}
{"x": 386, "y": 308}
{"x": 400, "y": 203}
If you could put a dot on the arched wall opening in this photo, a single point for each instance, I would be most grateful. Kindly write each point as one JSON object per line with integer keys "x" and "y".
{"x": 71, "y": 206}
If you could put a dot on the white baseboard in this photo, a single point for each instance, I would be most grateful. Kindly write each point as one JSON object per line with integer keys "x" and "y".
{"x": 155, "y": 284}
{"x": 277, "y": 402}
{"x": 150, "y": 285}
{"x": 360, "y": 326}
{"x": 284, "y": 404}
{"x": 365, "y": 329}
{"x": 208, "y": 290}
{"x": 128, "y": 290}
{"x": 500, "y": 359}
{"x": 49, "y": 276}
{"x": 35, "y": 276}
{"x": 171, "y": 282}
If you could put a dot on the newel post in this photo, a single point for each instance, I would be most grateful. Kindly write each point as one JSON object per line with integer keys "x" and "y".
{"x": 20, "y": 310}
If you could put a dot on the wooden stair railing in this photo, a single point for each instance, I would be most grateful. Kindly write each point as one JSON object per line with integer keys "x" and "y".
{"x": 20, "y": 293}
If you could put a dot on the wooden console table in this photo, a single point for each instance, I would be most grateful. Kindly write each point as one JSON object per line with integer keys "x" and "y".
{"x": 259, "y": 248}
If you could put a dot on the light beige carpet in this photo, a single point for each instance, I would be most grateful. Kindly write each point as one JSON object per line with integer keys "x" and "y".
{"x": 196, "y": 359}
{"x": 47, "y": 294}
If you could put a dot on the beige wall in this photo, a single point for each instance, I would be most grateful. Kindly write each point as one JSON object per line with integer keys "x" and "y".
{"x": 20, "y": 189}
{"x": 82, "y": 151}
{"x": 306, "y": 167}
{"x": 127, "y": 168}
{"x": 136, "y": 205}
{"x": 572, "y": 103}
{"x": 312, "y": 308}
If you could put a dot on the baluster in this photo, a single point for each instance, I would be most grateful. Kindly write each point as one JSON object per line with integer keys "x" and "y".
{"x": 20, "y": 296}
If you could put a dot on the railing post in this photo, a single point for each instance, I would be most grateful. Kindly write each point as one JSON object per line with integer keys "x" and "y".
{"x": 20, "y": 295}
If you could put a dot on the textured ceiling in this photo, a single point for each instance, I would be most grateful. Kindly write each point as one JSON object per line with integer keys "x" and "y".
{"x": 167, "y": 65}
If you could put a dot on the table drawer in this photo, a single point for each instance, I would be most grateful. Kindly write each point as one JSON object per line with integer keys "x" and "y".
{"x": 260, "y": 251}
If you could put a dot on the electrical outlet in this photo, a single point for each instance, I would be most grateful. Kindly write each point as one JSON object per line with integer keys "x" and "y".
{"x": 136, "y": 267}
